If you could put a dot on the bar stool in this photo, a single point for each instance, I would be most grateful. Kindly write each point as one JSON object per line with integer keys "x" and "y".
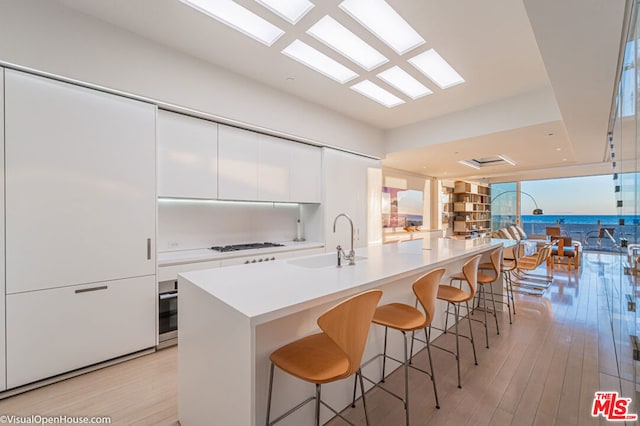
{"x": 507, "y": 267}
{"x": 405, "y": 318}
{"x": 486, "y": 280}
{"x": 331, "y": 355}
{"x": 455, "y": 297}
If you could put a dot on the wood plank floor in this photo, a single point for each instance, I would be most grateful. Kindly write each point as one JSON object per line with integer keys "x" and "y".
{"x": 541, "y": 370}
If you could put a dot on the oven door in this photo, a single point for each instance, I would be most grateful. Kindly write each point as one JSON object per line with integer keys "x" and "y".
{"x": 168, "y": 318}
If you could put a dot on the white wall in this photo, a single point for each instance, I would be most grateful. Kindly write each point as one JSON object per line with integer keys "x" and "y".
{"x": 46, "y": 36}
{"x": 184, "y": 225}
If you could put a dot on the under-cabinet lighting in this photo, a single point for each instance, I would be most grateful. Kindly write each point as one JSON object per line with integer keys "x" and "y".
{"x": 318, "y": 61}
{"x": 290, "y": 10}
{"x": 507, "y": 159}
{"x": 238, "y": 18}
{"x": 404, "y": 82}
{"x": 469, "y": 164}
{"x": 437, "y": 69}
{"x": 384, "y": 22}
{"x": 336, "y": 36}
{"x": 172, "y": 200}
{"x": 377, "y": 93}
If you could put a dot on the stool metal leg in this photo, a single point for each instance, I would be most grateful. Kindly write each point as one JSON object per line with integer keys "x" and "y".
{"x": 384, "y": 358}
{"x": 473, "y": 345}
{"x": 486, "y": 329}
{"x": 364, "y": 403}
{"x": 457, "y": 309}
{"x": 317, "y": 409}
{"x": 269, "y": 394}
{"x": 433, "y": 376}
{"x": 406, "y": 378}
{"x": 495, "y": 312}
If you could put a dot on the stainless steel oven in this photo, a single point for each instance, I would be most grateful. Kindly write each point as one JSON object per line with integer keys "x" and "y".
{"x": 167, "y": 314}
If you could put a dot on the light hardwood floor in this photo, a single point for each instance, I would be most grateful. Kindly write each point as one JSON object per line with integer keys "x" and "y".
{"x": 543, "y": 369}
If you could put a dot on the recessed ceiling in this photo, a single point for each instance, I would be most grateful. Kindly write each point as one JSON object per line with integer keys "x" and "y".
{"x": 496, "y": 46}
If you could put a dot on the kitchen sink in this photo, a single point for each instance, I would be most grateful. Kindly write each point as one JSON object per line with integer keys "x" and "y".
{"x": 323, "y": 261}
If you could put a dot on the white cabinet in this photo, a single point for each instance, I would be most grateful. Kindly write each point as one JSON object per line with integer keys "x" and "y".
{"x": 187, "y": 156}
{"x": 253, "y": 167}
{"x": 3, "y": 381}
{"x": 237, "y": 164}
{"x": 80, "y": 185}
{"x": 346, "y": 191}
{"x": 53, "y": 331}
{"x": 170, "y": 272}
{"x": 274, "y": 169}
{"x": 306, "y": 173}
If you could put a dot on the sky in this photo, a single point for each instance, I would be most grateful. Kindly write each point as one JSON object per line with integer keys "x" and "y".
{"x": 577, "y": 196}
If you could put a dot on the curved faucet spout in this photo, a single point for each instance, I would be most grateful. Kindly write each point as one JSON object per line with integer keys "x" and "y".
{"x": 351, "y": 257}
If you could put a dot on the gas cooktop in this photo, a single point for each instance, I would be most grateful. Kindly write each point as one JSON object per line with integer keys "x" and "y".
{"x": 249, "y": 246}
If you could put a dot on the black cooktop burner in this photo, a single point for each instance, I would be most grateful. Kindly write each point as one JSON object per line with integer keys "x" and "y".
{"x": 236, "y": 247}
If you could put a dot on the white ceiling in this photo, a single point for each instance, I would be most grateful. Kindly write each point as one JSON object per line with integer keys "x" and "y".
{"x": 498, "y": 46}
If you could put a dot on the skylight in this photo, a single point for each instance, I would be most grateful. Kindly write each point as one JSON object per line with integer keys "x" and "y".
{"x": 333, "y": 34}
{"x": 290, "y": 10}
{"x": 437, "y": 69}
{"x": 318, "y": 61}
{"x": 377, "y": 93}
{"x": 380, "y": 18}
{"x": 238, "y": 18}
{"x": 404, "y": 82}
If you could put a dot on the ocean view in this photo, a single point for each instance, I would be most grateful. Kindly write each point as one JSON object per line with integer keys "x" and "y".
{"x": 583, "y": 228}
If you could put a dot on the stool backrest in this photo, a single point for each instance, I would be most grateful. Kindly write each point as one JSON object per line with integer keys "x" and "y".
{"x": 348, "y": 323}
{"x": 426, "y": 290}
{"x": 496, "y": 259}
{"x": 470, "y": 272}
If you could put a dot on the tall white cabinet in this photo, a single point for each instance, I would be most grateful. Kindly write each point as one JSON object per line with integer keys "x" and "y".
{"x": 345, "y": 191}
{"x": 3, "y": 378}
{"x": 80, "y": 226}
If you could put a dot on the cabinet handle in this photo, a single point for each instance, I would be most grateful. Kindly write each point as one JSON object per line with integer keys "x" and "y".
{"x": 148, "y": 248}
{"x": 87, "y": 290}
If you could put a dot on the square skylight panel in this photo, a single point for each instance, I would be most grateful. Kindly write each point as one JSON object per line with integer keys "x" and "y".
{"x": 290, "y": 10}
{"x": 336, "y": 36}
{"x": 238, "y": 18}
{"x": 377, "y": 93}
{"x": 318, "y": 61}
{"x": 437, "y": 69}
{"x": 404, "y": 82}
{"x": 383, "y": 21}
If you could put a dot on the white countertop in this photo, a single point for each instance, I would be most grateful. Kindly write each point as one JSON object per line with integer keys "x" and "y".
{"x": 265, "y": 291}
{"x": 179, "y": 257}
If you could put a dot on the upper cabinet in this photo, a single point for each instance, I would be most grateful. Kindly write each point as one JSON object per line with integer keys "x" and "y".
{"x": 237, "y": 164}
{"x": 253, "y": 167}
{"x": 306, "y": 173}
{"x": 80, "y": 185}
{"x": 187, "y": 156}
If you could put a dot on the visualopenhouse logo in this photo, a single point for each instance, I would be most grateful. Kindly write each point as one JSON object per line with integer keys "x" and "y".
{"x": 612, "y": 407}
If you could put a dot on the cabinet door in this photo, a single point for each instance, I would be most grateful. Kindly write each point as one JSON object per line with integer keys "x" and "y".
{"x": 274, "y": 175}
{"x": 187, "y": 157}
{"x": 345, "y": 191}
{"x": 3, "y": 381}
{"x": 306, "y": 173}
{"x": 80, "y": 184}
{"x": 237, "y": 164}
{"x": 50, "y": 332}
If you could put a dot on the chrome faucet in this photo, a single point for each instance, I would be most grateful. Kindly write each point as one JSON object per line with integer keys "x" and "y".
{"x": 351, "y": 257}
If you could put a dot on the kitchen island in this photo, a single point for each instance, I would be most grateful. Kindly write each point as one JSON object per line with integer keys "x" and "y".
{"x": 232, "y": 318}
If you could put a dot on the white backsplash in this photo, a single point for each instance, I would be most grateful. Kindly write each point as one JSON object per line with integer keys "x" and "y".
{"x": 193, "y": 225}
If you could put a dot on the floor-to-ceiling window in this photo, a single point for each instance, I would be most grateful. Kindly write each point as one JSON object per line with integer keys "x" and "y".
{"x": 504, "y": 202}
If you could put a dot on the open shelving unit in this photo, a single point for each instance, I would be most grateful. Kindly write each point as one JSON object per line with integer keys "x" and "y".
{"x": 472, "y": 209}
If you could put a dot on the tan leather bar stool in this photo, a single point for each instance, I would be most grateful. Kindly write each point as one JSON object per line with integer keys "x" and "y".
{"x": 507, "y": 267}
{"x": 455, "y": 297}
{"x": 405, "y": 319}
{"x": 483, "y": 281}
{"x": 331, "y": 355}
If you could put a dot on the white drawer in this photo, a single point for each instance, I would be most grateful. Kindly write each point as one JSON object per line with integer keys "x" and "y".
{"x": 166, "y": 273}
{"x": 54, "y": 331}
